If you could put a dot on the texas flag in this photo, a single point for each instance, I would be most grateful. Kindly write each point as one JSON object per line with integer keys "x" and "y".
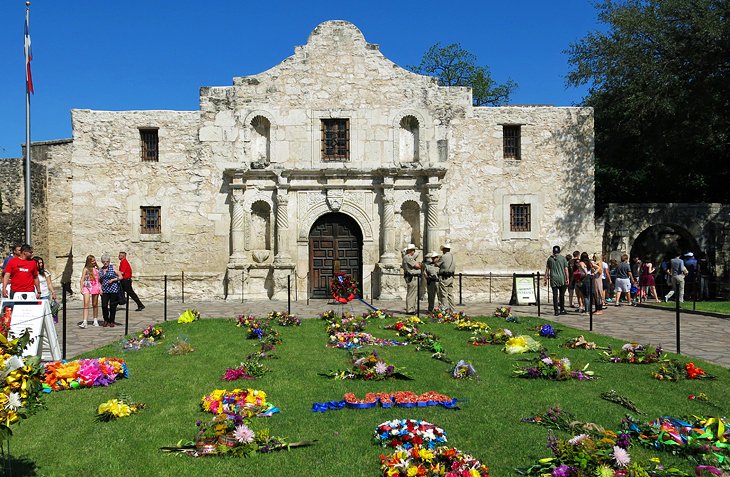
{"x": 28, "y": 57}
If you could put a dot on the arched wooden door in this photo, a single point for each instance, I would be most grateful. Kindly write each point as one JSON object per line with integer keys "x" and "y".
{"x": 335, "y": 245}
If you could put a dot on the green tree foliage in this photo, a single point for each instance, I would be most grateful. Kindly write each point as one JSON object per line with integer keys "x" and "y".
{"x": 659, "y": 81}
{"x": 455, "y": 66}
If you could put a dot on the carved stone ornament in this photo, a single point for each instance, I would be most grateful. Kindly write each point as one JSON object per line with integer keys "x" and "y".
{"x": 335, "y": 198}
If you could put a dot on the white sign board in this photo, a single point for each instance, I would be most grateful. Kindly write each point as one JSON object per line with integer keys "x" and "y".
{"x": 525, "y": 290}
{"x": 28, "y": 312}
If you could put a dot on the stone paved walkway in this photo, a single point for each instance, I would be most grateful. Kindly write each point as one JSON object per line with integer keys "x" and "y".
{"x": 702, "y": 336}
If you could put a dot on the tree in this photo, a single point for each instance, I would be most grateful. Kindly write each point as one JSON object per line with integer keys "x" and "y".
{"x": 659, "y": 80}
{"x": 455, "y": 66}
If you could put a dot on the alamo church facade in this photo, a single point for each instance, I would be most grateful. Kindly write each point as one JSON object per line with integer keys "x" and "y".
{"x": 335, "y": 159}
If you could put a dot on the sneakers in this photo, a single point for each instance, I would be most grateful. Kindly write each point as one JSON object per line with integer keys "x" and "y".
{"x": 82, "y": 324}
{"x": 96, "y": 323}
{"x": 666, "y": 299}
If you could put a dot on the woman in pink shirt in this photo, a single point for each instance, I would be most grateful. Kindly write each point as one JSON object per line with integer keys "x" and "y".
{"x": 90, "y": 289}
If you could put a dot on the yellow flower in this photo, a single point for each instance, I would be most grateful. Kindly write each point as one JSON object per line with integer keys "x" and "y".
{"x": 426, "y": 455}
{"x": 474, "y": 473}
{"x": 412, "y": 471}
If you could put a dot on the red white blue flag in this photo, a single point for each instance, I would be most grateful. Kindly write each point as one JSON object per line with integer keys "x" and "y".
{"x": 28, "y": 57}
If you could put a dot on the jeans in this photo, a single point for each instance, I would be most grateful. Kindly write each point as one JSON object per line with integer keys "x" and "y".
{"x": 559, "y": 298}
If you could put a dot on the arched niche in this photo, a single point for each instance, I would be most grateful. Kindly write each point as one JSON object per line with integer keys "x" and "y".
{"x": 260, "y": 226}
{"x": 410, "y": 227}
{"x": 260, "y": 140}
{"x": 408, "y": 139}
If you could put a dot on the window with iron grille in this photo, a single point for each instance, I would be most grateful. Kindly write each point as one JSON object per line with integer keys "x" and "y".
{"x": 151, "y": 220}
{"x": 335, "y": 139}
{"x": 511, "y": 142}
{"x": 150, "y": 143}
{"x": 519, "y": 217}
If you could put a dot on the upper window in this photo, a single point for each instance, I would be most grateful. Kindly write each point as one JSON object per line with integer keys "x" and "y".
{"x": 511, "y": 142}
{"x": 150, "y": 143}
{"x": 335, "y": 139}
{"x": 151, "y": 220}
{"x": 519, "y": 217}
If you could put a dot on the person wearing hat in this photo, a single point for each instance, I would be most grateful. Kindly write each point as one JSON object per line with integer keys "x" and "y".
{"x": 447, "y": 267}
{"x": 556, "y": 272}
{"x": 431, "y": 271}
{"x": 411, "y": 273}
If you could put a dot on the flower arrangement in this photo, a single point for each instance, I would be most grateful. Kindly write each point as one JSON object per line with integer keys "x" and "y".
{"x": 152, "y": 333}
{"x": 20, "y": 380}
{"x": 353, "y": 340}
{"x": 521, "y": 344}
{"x": 259, "y": 328}
{"x": 345, "y": 322}
{"x": 241, "y": 402}
{"x": 284, "y": 319}
{"x": 579, "y": 342}
{"x": 469, "y": 325}
{"x": 634, "y": 353}
{"x": 180, "y": 346}
{"x": 83, "y": 373}
{"x": 673, "y": 370}
{"x": 368, "y": 367}
{"x": 389, "y": 399}
{"x": 702, "y": 397}
{"x": 188, "y": 316}
{"x": 559, "y": 419}
{"x": 376, "y": 314}
{"x": 613, "y": 396}
{"x": 445, "y": 316}
{"x": 405, "y": 328}
{"x": 427, "y": 341}
{"x": 113, "y": 409}
{"x": 503, "y": 312}
{"x": 343, "y": 287}
{"x": 136, "y": 344}
{"x": 488, "y": 337}
{"x": 404, "y": 434}
{"x": 249, "y": 369}
{"x": 464, "y": 370}
{"x": 447, "y": 461}
{"x": 546, "y": 331}
{"x": 548, "y": 367}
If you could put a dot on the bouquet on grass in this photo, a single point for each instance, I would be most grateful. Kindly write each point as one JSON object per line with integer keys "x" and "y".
{"x": 559, "y": 419}
{"x": 284, "y": 319}
{"x": 136, "y": 344}
{"x": 554, "y": 369}
{"x": 503, "y": 312}
{"x": 471, "y": 325}
{"x": 404, "y": 434}
{"x": 635, "y": 353}
{"x": 336, "y": 323}
{"x": 406, "y": 328}
{"x": 369, "y": 367}
{"x": 376, "y": 315}
{"x": 426, "y": 341}
{"x": 464, "y": 370}
{"x": 489, "y": 337}
{"x": 579, "y": 342}
{"x": 188, "y": 316}
{"x": 241, "y": 402}
{"x": 353, "y": 340}
{"x": 83, "y": 373}
{"x": 446, "y": 461}
{"x": 673, "y": 370}
{"x": 546, "y": 331}
{"x": 152, "y": 333}
{"x": 445, "y": 316}
{"x": 521, "y": 344}
{"x": 251, "y": 368}
{"x": 259, "y": 329}
{"x": 20, "y": 380}
{"x": 113, "y": 409}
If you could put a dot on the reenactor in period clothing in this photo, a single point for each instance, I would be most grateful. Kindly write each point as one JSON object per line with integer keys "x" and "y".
{"x": 411, "y": 273}
{"x": 431, "y": 270}
{"x": 447, "y": 268}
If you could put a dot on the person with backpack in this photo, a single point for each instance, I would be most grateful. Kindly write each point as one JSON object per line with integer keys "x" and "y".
{"x": 624, "y": 280}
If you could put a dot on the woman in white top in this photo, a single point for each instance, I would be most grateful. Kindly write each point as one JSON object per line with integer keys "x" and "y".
{"x": 44, "y": 276}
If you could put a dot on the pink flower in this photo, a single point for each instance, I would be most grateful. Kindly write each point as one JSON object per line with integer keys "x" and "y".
{"x": 621, "y": 456}
{"x": 381, "y": 367}
{"x": 243, "y": 434}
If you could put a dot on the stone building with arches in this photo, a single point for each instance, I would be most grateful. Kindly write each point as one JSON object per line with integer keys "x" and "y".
{"x": 334, "y": 159}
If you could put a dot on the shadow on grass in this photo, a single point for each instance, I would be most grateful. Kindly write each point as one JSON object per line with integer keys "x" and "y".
{"x": 17, "y": 467}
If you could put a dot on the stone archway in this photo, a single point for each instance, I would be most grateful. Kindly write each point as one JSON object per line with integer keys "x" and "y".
{"x": 657, "y": 241}
{"x": 335, "y": 244}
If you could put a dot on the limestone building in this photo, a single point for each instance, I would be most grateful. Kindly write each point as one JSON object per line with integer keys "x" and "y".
{"x": 334, "y": 159}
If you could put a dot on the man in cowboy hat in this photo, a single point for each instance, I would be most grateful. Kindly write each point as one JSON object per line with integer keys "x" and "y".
{"x": 411, "y": 273}
{"x": 431, "y": 270}
{"x": 447, "y": 267}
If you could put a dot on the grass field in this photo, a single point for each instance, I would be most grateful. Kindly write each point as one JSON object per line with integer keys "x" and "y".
{"x": 65, "y": 439}
{"x": 722, "y": 307}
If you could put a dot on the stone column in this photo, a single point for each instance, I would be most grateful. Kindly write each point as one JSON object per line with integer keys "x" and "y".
{"x": 432, "y": 217}
{"x": 238, "y": 232}
{"x": 387, "y": 223}
{"x": 282, "y": 225}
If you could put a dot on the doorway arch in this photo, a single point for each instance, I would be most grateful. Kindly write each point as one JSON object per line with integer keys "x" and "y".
{"x": 658, "y": 241}
{"x": 335, "y": 245}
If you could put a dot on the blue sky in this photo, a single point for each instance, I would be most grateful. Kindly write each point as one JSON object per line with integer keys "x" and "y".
{"x": 156, "y": 54}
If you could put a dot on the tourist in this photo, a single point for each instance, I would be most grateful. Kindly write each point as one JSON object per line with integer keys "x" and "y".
{"x": 647, "y": 283}
{"x": 624, "y": 280}
{"x": 126, "y": 270}
{"x": 21, "y": 273}
{"x": 14, "y": 252}
{"x": 677, "y": 271}
{"x": 606, "y": 281}
{"x": 597, "y": 269}
{"x": 447, "y": 268}
{"x": 692, "y": 266}
{"x": 572, "y": 264}
{"x": 612, "y": 268}
{"x": 44, "y": 277}
{"x": 110, "y": 283}
{"x": 431, "y": 270}
{"x": 556, "y": 272}
{"x": 90, "y": 290}
{"x": 586, "y": 283}
{"x": 411, "y": 274}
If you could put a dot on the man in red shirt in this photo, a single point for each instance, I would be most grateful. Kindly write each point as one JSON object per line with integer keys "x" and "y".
{"x": 22, "y": 273}
{"x": 126, "y": 270}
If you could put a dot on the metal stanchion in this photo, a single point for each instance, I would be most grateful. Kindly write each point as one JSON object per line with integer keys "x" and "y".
{"x": 418, "y": 296}
{"x": 126, "y": 317}
{"x": 538, "y": 291}
{"x": 242, "y": 285}
{"x": 490, "y": 287}
{"x": 676, "y": 293}
{"x": 589, "y": 276}
{"x": 164, "y": 300}
{"x": 63, "y": 324}
{"x": 460, "y": 302}
{"x": 182, "y": 285}
{"x": 288, "y": 294}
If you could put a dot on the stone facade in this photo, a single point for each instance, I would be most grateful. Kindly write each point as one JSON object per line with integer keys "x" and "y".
{"x": 243, "y": 183}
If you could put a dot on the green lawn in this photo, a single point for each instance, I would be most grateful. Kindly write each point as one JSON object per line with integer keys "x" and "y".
{"x": 65, "y": 439}
{"x": 709, "y": 306}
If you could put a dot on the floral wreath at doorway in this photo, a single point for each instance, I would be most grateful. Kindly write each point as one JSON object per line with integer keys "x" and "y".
{"x": 343, "y": 287}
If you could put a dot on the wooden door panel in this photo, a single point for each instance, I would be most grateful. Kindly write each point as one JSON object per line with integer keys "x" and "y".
{"x": 333, "y": 242}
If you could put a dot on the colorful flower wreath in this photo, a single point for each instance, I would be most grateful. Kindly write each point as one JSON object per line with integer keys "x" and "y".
{"x": 20, "y": 382}
{"x": 404, "y": 434}
{"x": 241, "y": 402}
{"x": 440, "y": 461}
{"x": 547, "y": 367}
{"x": 83, "y": 373}
{"x": 343, "y": 287}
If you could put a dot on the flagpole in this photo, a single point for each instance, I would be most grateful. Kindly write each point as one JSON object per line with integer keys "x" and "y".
{"x": 28, "y": 238}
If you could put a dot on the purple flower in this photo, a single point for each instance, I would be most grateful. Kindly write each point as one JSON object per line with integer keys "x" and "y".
{"x": 562, "y": 471}
{"x": 552, "y": 442}
{"x": 623, "y": 440}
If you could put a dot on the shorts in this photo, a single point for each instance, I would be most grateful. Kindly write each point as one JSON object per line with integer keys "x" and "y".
{"x": 623, "y": 285}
